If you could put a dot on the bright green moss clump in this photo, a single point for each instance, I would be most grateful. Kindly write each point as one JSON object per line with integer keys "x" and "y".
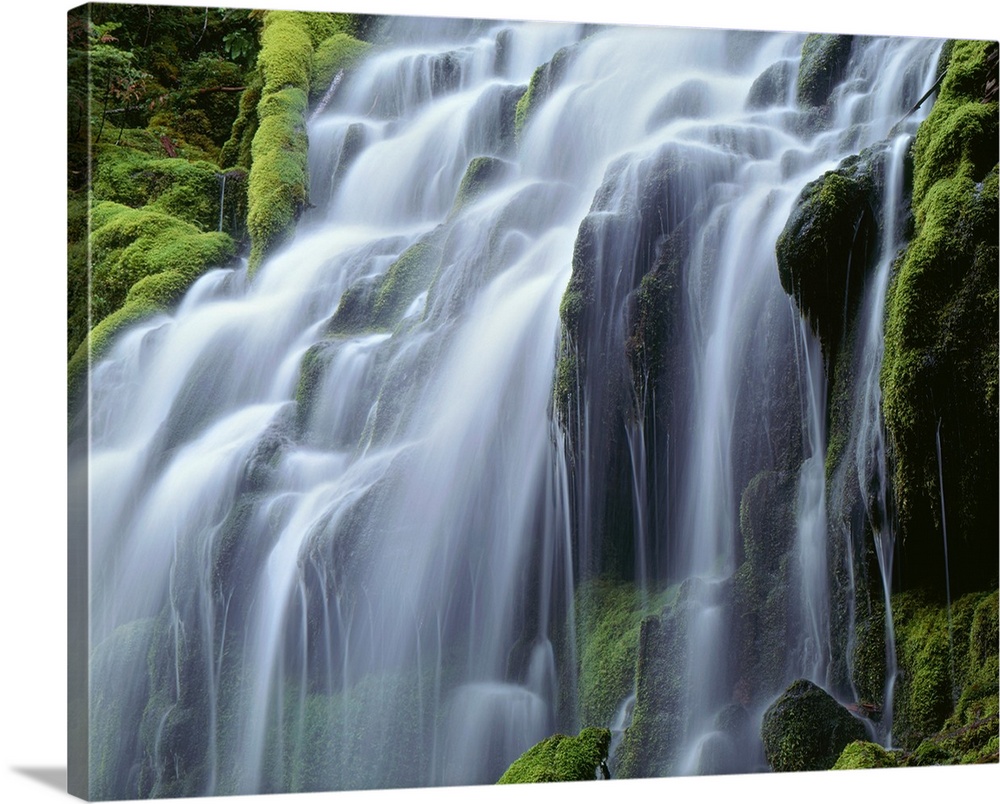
{"x": 545, "y": 78}
{"x": 278, "y": 187}
{"x": 142, "y": 261}
{"x": 561, "y": 759}
{"x": 862, "y": 754}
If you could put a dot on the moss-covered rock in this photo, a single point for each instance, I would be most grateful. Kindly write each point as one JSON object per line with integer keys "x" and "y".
{"x": 863, "y": 754}
{"x": 824, "y": 61}
{"x": 940, "y": 370}
{"x": 483, "y": 173}
{"x": 827, "y": 246}
{"x": 609, "y": 616}
{"x": 947, "y": 682}
{"x": 762, "y": 582}
{"x": 339, "y": 52}
{"x": 141, "y": 262}
{"x": 116, "y": 706}
{"x": 806, "y": 729}
{"x": 561, "y": 759}
{"x": 770, "y": 88}
{"x": 300, "y": 53}
{"x": 543, "y": 81}
{"x": 407, "y": 278}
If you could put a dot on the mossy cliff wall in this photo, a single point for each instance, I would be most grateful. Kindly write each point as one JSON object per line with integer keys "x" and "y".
{"x": 939, "y": 375}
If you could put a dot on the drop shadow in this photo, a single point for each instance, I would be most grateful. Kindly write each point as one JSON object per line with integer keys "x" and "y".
{"x": 50, "y": 777}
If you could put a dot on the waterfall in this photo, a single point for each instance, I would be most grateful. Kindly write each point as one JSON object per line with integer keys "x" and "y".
{"x": 336, "y": 507}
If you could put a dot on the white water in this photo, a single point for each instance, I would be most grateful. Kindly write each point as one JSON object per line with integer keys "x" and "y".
{"x": 372, "y": 588}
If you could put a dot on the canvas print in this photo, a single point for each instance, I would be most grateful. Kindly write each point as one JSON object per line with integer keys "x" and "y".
{"x": 469, "y": 401}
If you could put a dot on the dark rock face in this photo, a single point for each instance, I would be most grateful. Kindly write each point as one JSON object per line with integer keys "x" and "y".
{"x": 806, "y": 729}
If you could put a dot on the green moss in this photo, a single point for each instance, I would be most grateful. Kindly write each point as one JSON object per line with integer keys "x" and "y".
{"x": 236, "y": 151}
{"x": 806, "y": 729}
{"x": 829, "y": 233}
{"x": 543, "y": 81}
{"x": 561, "y": 759}
{"x": 609, "y": 615}
{"x": 130, "y": 244}
{"x": 406, "y": 279}
{"x": 939, "y": 373}
{"x": 958, "y": 139}
{"x": 824, "y": 60}
{"x": 948, "y": 668}
{"x": 862, "y": 754}
{"x": 189, "y": 190}
{"x": 142, "y": 260}
{"x": 482, "y": 173}
{"x": 339, "y": 52}
{"x": 278, "y": 183}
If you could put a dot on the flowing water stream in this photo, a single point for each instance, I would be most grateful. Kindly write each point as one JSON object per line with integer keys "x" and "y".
{"x": 350, "y": 540}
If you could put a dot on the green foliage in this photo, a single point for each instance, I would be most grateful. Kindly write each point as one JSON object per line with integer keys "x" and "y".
{"x": 561, "y": 759}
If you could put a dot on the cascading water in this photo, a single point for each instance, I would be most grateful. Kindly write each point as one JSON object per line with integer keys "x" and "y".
{"x": 332, "y": 506}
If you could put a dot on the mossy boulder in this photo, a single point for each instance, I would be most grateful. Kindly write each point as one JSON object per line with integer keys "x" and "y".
{"x": 409, "y": 276}
{"x": 561, "y": 759}
{"x": 824, "y": 62}
{"x": 940, "y": 370}
{"x": 863, "y": 754}
{"x": 116, "y": 706}
{"x": 827, "y": 245}
{"x": 806, "y": 729}
{"x": 652, "y": 743}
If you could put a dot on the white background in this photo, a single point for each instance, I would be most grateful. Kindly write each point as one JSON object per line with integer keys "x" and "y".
{"x": 33, "y": 414}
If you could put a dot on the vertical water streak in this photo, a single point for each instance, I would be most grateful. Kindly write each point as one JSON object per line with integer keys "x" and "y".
{"x": 947, "y": 573}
